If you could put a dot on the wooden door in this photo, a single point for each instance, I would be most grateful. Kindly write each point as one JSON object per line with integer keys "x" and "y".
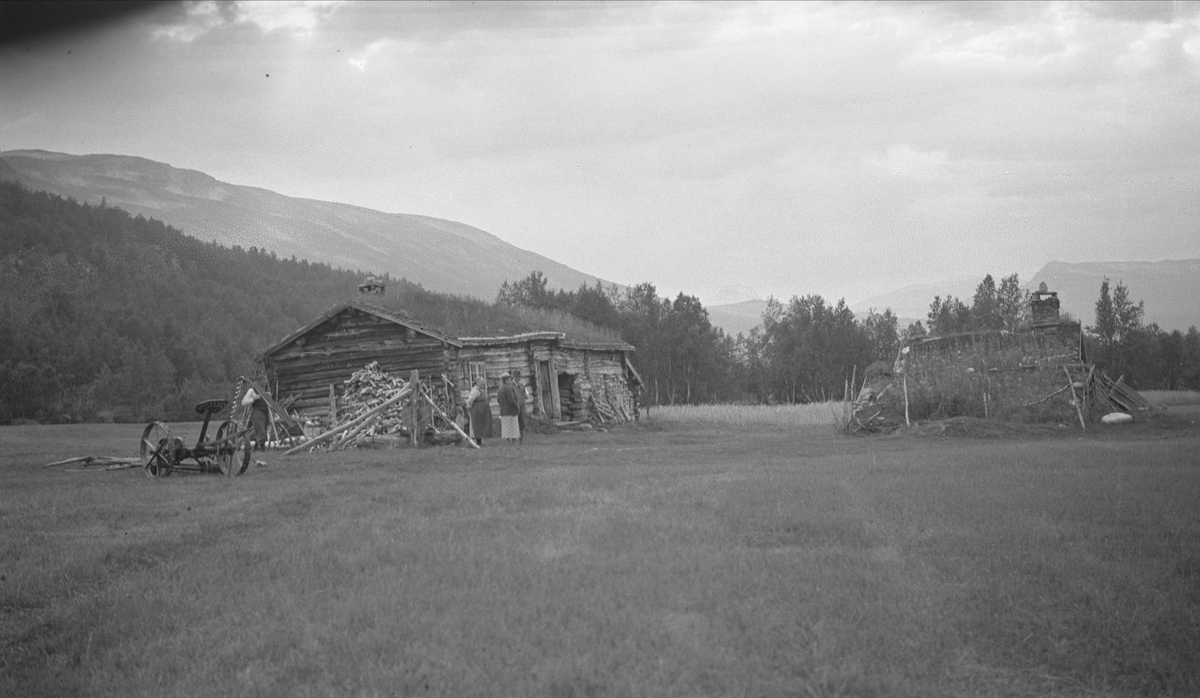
{"x": 546, "y": 390}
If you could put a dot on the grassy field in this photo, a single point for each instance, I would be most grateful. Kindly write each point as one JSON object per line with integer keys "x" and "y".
{"x": 822, "y": 413}
{"x": 670, "y": 559}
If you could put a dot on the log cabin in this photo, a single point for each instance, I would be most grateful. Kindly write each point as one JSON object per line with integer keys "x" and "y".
{"x": 563, "y": 379}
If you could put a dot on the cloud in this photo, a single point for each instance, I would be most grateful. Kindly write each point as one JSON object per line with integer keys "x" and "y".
{"x": 200, "y": 18}
{"x": 1164, "y": 46}
{"x": 904, "y": 160}
{"x": 360, "y": 61}
{"x": 1029, "y": 43}
{"x": 299, "y": 17}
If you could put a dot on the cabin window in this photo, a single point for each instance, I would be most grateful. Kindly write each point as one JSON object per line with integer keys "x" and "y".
{"x": 476, "y": 369}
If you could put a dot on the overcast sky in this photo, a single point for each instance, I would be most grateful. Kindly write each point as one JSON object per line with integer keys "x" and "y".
{"x": 792, "y": 148}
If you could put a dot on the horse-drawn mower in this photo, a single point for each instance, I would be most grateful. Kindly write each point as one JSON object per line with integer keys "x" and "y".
{"x": 228, "y": 452}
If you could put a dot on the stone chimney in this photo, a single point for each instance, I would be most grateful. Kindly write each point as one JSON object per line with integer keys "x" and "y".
{"x": 1043, "y": 306}
{"x": 371, "y": 287}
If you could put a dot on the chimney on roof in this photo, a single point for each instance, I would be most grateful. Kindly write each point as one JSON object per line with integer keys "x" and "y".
{"x": 371, "y": 287}
{"x": 1043, "y": 306}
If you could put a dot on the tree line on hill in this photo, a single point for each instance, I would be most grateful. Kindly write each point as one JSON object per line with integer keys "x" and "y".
{"x": 108, "y": 316}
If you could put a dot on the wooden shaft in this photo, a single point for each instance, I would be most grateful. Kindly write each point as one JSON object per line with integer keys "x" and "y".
{"x": 1035, "y": 402}
{"x": 353, "y": 434}
{"x": 349, "y": 425}
{"x": 414, "y": 421}
{"x": 1075, "y": 398}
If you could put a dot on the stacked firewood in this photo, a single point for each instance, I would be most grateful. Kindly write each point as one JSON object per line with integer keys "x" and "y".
{"x": 610, "y": 403}
{"x": 865, "y": 413}
{"x": 367, "y": 389}
{"x": 375, "y": 407}
{"x": 440, "y": 389}
{"x": 1116, "y": 396}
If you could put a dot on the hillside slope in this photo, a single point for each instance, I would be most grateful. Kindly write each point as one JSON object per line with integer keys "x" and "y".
{"x": 441, "y": 255}
{"x": 737, "y": 318}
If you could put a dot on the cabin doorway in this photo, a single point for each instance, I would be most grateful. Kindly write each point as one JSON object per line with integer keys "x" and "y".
{"x": 571, "y": 408}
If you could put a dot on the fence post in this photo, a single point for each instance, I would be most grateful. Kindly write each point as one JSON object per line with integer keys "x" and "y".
{"x": 414, "y": 419}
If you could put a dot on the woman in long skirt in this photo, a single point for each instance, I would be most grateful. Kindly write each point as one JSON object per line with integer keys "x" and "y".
{"x": 510, "y": 409}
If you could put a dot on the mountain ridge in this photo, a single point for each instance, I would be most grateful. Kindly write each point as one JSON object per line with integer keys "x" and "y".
{"x": 439, "y": 254}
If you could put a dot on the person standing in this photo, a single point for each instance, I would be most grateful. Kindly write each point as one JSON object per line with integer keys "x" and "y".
{"x": 260, "y": 414}
{"x": 479, "y": 411}
{"x": 510, "y": 410}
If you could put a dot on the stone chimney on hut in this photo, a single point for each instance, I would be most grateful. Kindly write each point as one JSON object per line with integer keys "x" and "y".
{"x": 371, "y": 287}
{"x": 1043, "y": 306}
{"x": 370, "y": 292}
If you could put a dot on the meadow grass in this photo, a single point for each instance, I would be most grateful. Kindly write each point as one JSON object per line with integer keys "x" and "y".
{"x": 1172, "y": 397}
{"x": 649, "y": 561}
{"x": 734, "y": 415}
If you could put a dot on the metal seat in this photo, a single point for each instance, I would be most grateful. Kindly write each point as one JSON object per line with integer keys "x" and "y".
{"x": 211, "y": 406}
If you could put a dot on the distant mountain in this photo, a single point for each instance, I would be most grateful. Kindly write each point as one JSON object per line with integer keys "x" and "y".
{"x": 737, "y": 317}
{"x": 1170, "y": 288}
{"x": 439, "y": 254}
{"x": 733, "y": 293}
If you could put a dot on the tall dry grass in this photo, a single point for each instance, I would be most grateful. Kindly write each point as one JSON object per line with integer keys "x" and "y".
{"x": 811, "y": 414}
{"x": 1172, "y": 397}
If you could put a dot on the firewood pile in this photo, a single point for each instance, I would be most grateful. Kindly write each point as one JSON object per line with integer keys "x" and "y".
{"x": 368, "y": 388}
{"x": 375, "y": 407}
{"x": 611, "y": 401}
{"x": 865, "y": 413}
{"x": 1115, "y": 396}
{"x": 1094, "y": 394}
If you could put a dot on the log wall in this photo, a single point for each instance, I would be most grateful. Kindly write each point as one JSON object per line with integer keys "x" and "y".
{"x": 581, "y": 375}
{"x": 514, "y": 359}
